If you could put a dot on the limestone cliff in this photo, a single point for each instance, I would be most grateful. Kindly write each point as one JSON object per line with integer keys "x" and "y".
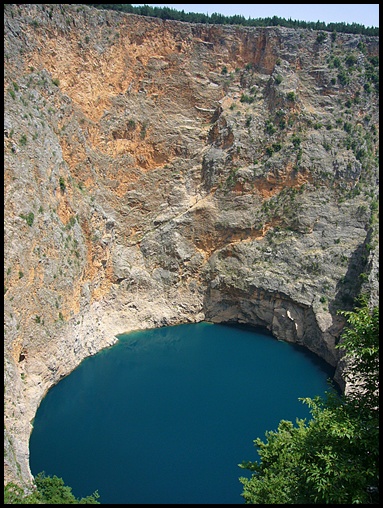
{"x": 159, "y": 172}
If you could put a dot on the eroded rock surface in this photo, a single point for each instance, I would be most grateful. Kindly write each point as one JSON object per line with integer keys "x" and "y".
{"x": 160, "y": 172}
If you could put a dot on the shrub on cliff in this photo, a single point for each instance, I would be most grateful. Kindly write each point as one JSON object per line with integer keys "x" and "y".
{"x": 49, "y": 490}
{"x": 334, "y": 457}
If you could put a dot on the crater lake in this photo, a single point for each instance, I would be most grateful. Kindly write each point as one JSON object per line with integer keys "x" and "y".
{"x": 167, "y": 414}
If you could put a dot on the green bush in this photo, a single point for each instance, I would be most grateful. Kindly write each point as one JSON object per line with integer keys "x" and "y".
{"x": 374, "y": 61}
{"x": 334, "y": 457}
{"x": 343, "y": 78}
{"x": 49, "y": 490}
{"x": 367, "y": 87}
{"x": 246, "y": 98}
{"x": 337, "y": 62}
{"x": 322, "y": 36}
{"x": 277, "y": 147}
{"x": 29, "y": 218}
{"x": 361, "y": 46}
{"x": 62, "y": 184}
{"x": 270, "y": 128}
{"x": 351, "y": 60}
{"x": 278, "y": 79}
{"x": 296, "y": 140}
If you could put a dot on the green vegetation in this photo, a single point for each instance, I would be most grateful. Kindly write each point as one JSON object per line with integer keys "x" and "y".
{"x": 23, "y": 140}
{"x": 296, "y": 140}
{"x": 278, "y": 79}
{"x": 343, "y": 78}
{"x": 270, "y": 127}
{"x": 275, "y": 147}
{"x": 62, "y": 184}
{"x": 334, "y": 458}
{"x": 144, "y": 129}
{"x": 236, "y": 19}
{"x": 351, "y": 60}
{"x": 246, "y": 98}
{"x": 49, "y": 490}
{"x": 291, "y": 97}
{"x": 322, "y": 36}
{"x": 71, "y": 222}
{"x": 29, "y": 218}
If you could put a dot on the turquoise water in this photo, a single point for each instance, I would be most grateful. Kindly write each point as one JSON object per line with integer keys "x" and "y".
{"x": 166, "y": 415}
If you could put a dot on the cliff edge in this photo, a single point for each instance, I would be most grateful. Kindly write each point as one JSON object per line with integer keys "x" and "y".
{"x": 160, "y": 172}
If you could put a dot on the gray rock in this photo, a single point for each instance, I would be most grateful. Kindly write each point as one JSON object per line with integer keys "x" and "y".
{"x": 144, "y": 188}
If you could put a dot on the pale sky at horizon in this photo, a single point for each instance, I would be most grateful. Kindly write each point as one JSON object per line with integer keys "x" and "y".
{"x": 363, "y": 14}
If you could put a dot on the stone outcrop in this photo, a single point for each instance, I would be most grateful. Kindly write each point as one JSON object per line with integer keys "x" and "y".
{"x": 159, "y": 172}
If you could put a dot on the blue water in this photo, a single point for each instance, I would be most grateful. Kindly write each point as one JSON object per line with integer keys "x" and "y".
{"x": 166, "y": 415}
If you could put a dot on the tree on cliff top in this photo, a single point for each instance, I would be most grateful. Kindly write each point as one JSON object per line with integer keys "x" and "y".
{"x": 334, "y": 457}
{"x": 236, "y": 19}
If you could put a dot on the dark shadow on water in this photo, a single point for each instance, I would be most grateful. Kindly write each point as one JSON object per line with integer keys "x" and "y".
{"x": 166, "y": 415}
{"x": 251, "y": 328}
{"x": 315, "y": 359}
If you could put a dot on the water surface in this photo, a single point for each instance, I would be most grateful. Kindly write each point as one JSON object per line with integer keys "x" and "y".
{"x": 166, "y": 415}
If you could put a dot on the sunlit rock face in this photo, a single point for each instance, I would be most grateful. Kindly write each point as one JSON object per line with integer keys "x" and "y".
{"x": 159, "y": 172}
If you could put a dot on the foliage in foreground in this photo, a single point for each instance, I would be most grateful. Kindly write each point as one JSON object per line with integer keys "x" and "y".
{"x": 49, "y": 490}
{"x": 334, "y": 457}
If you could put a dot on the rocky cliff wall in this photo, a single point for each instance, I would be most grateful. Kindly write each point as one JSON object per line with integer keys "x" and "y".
{"x": 160, "y": 172}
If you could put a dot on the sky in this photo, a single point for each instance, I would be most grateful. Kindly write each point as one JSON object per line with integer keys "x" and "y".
{"x": 363, "y": 14}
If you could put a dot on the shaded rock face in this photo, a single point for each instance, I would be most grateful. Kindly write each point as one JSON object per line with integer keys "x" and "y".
{"x": 159, "y": 172}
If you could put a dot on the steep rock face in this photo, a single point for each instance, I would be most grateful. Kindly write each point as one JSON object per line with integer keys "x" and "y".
{"x": 160, "y": 172}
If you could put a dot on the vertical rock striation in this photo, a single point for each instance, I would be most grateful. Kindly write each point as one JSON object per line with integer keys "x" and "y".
{"x": 159, "y": 172}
